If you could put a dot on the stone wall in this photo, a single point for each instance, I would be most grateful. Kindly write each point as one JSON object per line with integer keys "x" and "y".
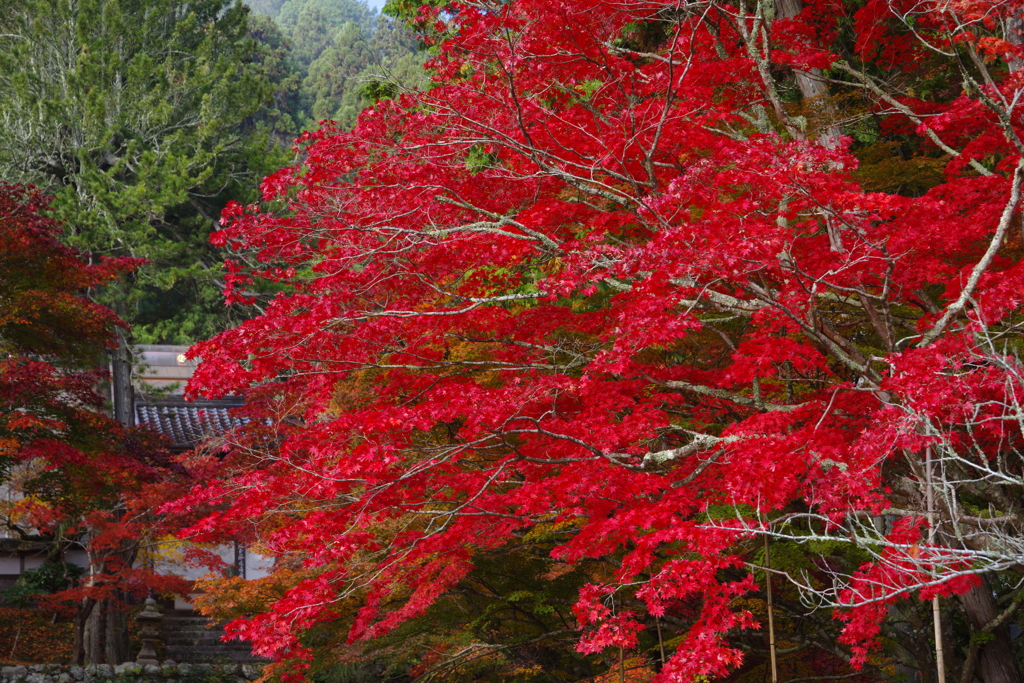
{"x": 132, "y": 673}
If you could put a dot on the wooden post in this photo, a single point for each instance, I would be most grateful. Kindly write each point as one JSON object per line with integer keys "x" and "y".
{"x": 661, "y": 641}
{"x": 940, "y": 660}
{"x": 121, "y": 384}
{"x": 771, "y": 616}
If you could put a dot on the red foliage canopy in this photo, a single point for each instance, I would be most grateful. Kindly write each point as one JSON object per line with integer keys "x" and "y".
{"x": 49, "y": 330}
{"x": 70, "y": 472}
{"x": 618, "y": 271}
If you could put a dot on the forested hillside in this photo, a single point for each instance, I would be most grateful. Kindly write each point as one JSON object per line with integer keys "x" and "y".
{"x": 338, "y": 51}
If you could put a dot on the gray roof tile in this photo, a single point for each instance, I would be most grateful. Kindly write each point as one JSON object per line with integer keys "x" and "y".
{"x": 188, "y": 423}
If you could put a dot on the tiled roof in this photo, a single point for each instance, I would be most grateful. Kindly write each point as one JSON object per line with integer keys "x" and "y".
{"x": 188, "y": 423}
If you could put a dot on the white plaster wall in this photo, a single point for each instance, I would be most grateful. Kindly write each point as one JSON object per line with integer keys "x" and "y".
{"x": 34, "y": 561}
{"x": 257, "y": 566}
{"x": 79, "y": 557}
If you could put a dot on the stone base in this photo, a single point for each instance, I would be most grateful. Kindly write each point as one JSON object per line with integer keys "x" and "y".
{"x": 131, "y": 672}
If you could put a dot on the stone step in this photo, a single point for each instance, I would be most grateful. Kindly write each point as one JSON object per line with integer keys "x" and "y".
{"x": 179, "y": 622}
{"x": 188, "y": 637}
{"x": 217, "y": 658}
{"x": 193, "y": 630}
{"x": 207, "y": 637}
{"x": 209, "y": 654}
{"x": 206, "y": 642}
{"x": 197, "y": 655}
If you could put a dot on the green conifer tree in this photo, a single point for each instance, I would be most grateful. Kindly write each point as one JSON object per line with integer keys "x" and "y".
{"x": 142, "y": 118}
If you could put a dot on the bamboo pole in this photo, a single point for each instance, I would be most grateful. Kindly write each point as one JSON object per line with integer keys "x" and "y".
{"x": 771, "y": 616}
{"x": 940, "y": 660}
{"x": 661, "y": 642}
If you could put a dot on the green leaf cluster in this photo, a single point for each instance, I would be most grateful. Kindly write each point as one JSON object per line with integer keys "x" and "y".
{"x": 142, "y": 118}
{"x": 49, "y": 578}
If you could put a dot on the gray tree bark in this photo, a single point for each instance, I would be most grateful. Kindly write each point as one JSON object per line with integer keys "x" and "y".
{"x": 1015, "y": 35}
{"x": 124, "y": 410}
{"x": 996, "y": 663}
{"x": 813, "y": 91}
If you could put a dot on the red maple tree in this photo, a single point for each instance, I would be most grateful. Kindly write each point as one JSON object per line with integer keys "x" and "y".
{"x": 72, "y": 476}
{"x": 664, "y": 274}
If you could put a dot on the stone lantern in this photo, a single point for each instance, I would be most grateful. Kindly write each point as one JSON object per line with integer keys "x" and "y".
{"x": 149, "y": 620}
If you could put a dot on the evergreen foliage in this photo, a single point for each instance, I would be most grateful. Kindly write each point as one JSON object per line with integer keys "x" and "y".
{"x": 346, "y": 57}
{"x": 140, "y": 117}
{"x": 143, "y": 119}
{"x": 360, "y": 67}
{"x": 334, "y": 13}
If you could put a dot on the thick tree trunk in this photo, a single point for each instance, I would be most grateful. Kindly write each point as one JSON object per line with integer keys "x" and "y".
{"x": 1015, "y": 35}
{"x": 100, "y": 634}
{"x": 115, "y": 638}
{"x": 817, "y": 104}
{"x": 96, "y": 630}
{"x": 996, "y": 663}
{"x": 81, "y": 636}
{"x": 121, "y": 383}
